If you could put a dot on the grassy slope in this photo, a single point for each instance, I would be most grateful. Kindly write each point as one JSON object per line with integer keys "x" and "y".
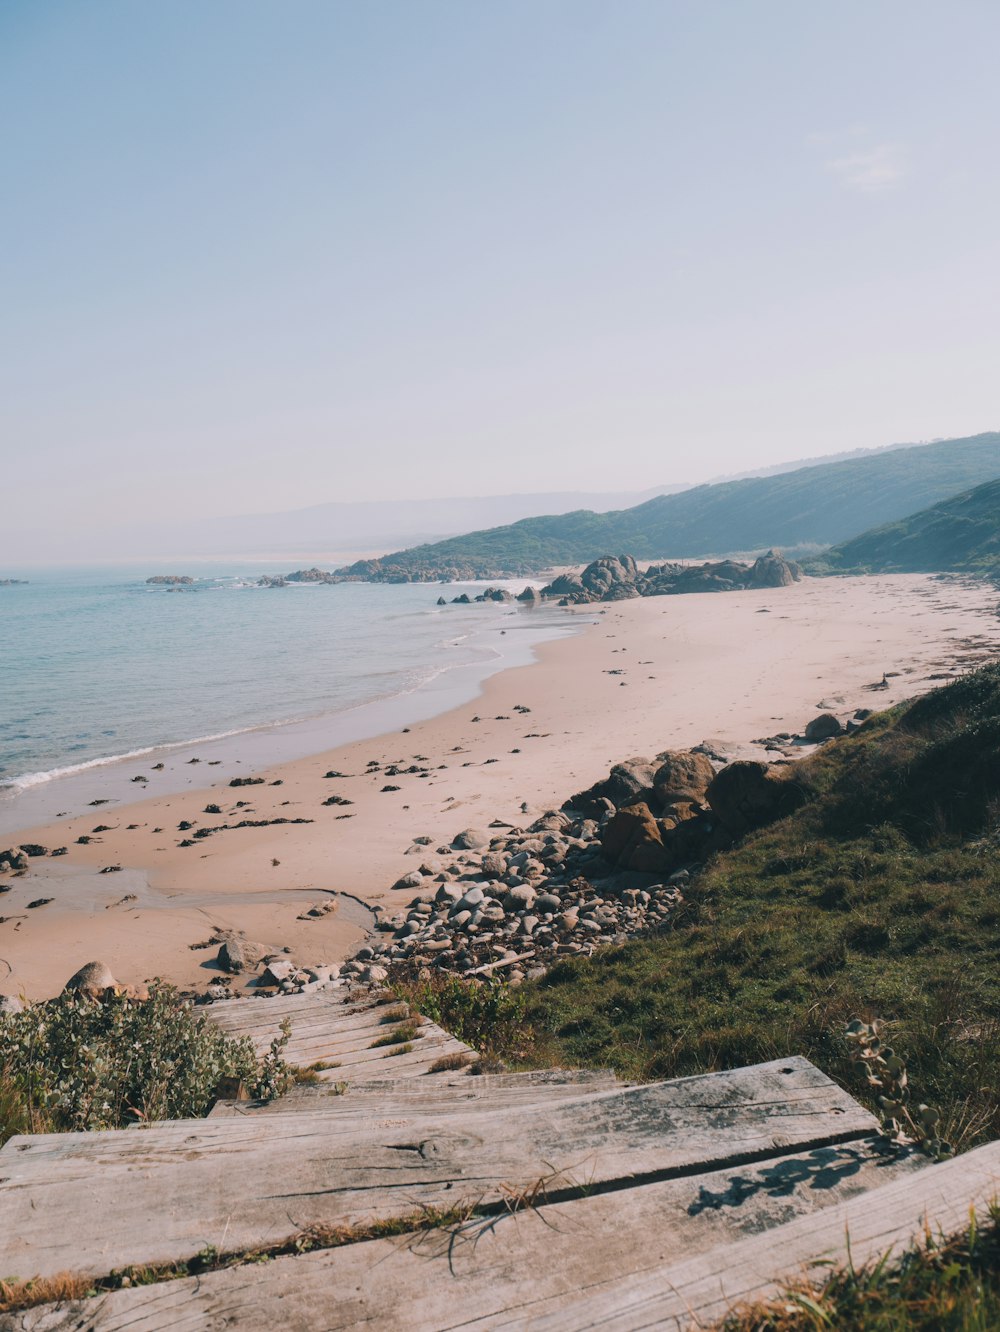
{"x": 961, "y": 533}
{"x": 822, "y": 504}
{"x": 879, "y": 898}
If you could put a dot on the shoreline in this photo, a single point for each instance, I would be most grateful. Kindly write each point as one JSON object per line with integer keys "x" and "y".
{"x": 644, "y": 676}
{"x": 34, "y": 798}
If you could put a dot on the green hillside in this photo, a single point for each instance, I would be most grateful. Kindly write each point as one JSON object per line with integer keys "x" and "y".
{"x": 821, "y": 505}
{"x": 960, "y": 533}
{"x": 877, "y": 898}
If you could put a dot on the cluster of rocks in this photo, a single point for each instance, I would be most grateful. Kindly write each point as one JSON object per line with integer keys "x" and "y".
{"x": 511, "y": 902}
{"x": 13, "y": 582}
{"x": 273, "y": 970}
{"x": 18, "y": 858}
{"x": 618, "y": 578}
{"x": 170, "y": 580}
{"x": 531, "y": 596}
{"x": 313, "y": 575}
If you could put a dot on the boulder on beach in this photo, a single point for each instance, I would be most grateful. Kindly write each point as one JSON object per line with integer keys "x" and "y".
{"x": 627, "y": 782}
{"x": 470, "y": 839}
{"x": 682, "y": 778}
{"x": 632, "y": 840}
{"x": 773, "y": 570}
{"x": 14, "y": 858}
{"x": 93, "y": 981}
{"x": 823, "y": 727}
{"x": 238, "y": 954}
{"x": 748, "y": 795}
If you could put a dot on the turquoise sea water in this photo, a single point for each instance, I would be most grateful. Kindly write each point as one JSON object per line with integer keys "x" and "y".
{"x": 95, "y": 664}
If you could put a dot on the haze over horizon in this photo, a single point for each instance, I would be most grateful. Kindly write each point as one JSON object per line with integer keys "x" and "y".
{"x": 256, "y": 259}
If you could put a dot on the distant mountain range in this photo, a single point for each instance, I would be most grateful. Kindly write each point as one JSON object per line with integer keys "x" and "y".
{"x": 812, "y": 506}
{"x": 961, "y": 533}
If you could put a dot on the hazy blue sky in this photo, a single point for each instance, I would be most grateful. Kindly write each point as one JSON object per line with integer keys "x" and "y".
{"x": 260, "y": 255}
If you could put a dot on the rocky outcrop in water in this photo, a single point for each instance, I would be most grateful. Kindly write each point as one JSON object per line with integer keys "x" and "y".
{"x": 170, "y": 580}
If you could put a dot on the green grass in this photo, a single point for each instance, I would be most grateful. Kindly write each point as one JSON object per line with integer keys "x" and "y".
{"x": 880, "y": 898}
{"x": 948, "y": 1285}
{"x": 406, "y": 1032}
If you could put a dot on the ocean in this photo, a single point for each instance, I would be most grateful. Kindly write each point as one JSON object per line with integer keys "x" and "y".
{"x": 98, "y": 669}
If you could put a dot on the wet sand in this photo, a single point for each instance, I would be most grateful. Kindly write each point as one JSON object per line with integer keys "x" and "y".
{"x": 646, "y": 675}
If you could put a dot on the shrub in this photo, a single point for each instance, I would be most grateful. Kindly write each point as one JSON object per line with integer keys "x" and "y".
{"x": 488, "y": 1015}
{"x": 73, "y": 1063}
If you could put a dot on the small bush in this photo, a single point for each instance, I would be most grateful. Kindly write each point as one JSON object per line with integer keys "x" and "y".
{"x": 73, "y": 1063}
{"x": 488, "y": 1015}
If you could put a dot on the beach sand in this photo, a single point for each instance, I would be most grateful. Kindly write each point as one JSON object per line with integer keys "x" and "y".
{"x": 648, "y": 675}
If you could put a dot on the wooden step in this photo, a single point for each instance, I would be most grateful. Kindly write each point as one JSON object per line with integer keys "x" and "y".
{"x": 326, "y": 1028}
{"x": 509, "y": 1271}
{"x": 697, "y": 1293}
{"x": 93, "y": 1202}
{"x": 448, "y": 1093}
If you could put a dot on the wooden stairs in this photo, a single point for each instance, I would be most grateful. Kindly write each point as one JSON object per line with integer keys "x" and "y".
{"x": 577, "y": 1201}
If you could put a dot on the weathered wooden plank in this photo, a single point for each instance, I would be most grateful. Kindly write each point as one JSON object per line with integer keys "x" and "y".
{"x": 166, "y": 1191}
{"x": 325, "y": 1029}
{"x": 443, "y": 1093}
{"x": 483, "y": 1274}
{"x": 701, "y": 1291}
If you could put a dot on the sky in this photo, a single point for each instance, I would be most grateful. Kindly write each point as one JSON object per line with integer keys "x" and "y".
{"x": 261, "y": 255}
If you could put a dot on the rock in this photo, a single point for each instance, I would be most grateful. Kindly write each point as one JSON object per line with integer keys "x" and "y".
{"x": 13, "y": 858}
{"x": 520, "y": 898}
{"x": 682, "y": 778}
{"x": 494, "y": 864}
{"x": 412, "y": 880}
{"x": 278, "y": 971}
{"x": 93, "y": 981}
{"x": 170, "y": 580}
{"x": 470, "y": 839}
{"x": 611, "y": 578}
{"x": 238, "y": 954}
{"x": 374, "y": 975}
{"x": 632, "y": 840}
{"x": 530, "y": 596}
{"x": 546, "y": 903}
{"x": 747, "y": 795}
{"x": 823, "y": 727}
{"x": 627, "y": 783}
{"x": 10, "y": 1004}
{"x": 441, "y": 602}
{"x": 771, "y": 570}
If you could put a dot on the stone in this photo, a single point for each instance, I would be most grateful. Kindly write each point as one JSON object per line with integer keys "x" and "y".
{"x": 93, "y": 980}
{"x": 632, "y": 840}
{"x": 278, "y": 971}
{"x": 520, "y": 898}
{"x": 682, "y": 777}
{"x": 495, "y": 864}
{"x": 748, "y": 795}
{"x": 772, "y": 570}
{"x": 546, "y": 903}
{"x": 470, "y": 839}
{"x": 627, "y": 783}
{"x": 10, "y": 1004}
{"x": 412, "y": 880}
{"x": 14, "y": 858}
{"x": 823, "y": 727}
{"x": 238, "y": 954}
{"x": 374, "y": 975}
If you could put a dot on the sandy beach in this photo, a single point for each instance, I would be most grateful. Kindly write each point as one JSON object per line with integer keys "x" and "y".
{"x": 646, "y": 675}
